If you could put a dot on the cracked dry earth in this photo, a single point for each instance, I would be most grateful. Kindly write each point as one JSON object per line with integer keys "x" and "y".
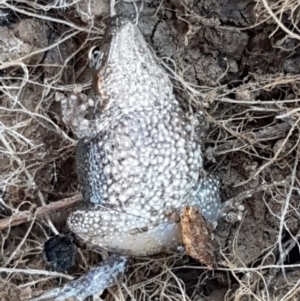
{"x": 227, "y": 57}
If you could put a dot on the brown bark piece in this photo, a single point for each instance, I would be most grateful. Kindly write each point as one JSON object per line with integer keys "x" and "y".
{"x": 197, "y": 237}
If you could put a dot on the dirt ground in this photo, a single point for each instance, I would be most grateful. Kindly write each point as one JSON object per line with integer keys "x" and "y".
{"x": 238, "y": 60}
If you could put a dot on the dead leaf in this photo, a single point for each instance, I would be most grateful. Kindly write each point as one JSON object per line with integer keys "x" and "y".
{"x": 197, "y": 237}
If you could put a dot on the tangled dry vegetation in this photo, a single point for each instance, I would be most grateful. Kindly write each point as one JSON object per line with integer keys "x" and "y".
{"x": 239, "y": 61}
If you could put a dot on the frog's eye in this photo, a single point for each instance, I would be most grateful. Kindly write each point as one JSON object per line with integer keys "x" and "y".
{"x": 95, "y": 56}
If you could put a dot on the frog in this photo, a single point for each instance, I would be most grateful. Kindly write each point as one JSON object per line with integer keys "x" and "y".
{"x": 139, "y": 160}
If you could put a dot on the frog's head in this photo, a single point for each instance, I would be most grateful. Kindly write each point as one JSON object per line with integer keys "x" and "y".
{"x": 121, "y": 38}
{"x": 123, "y": 63}
{"x": 122, "y": 51}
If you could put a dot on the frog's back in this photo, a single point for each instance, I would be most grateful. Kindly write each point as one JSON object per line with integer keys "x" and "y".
{"x": 144, "y": 163}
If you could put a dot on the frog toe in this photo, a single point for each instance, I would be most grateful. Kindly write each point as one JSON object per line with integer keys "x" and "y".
{"x": 233, "y": 211}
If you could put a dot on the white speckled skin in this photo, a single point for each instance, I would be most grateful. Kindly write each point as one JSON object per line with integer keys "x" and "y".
{"x": 93, "y": 283}
{"x": 139, "y": 161}
{"x": 140, "y": 158}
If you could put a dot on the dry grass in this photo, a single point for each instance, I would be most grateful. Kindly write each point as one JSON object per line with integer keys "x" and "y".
{"x": 35, "y": 152}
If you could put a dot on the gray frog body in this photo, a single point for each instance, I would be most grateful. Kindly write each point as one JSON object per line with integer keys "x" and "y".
{"x": 139, "y": 159}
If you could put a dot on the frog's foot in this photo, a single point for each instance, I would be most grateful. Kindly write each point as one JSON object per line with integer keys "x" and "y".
{"x": 74, "y": 108}
{"x": 107, "y": 274}
{"x": 232, "y": 211}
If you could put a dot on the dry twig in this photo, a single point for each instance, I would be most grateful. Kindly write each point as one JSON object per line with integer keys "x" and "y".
{"x": 26, "y": 216}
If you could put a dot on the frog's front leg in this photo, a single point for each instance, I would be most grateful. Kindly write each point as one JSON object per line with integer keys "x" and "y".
{"x": 78, "y": 114}
{"x": 74, "y": 108}
{"x": 105, "y": 275}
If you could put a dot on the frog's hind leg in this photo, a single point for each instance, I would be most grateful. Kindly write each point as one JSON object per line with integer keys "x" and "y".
{"x": 124, "y": 231}
{"x": 105, "y": 275}
{"x": 208, "y": 199}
